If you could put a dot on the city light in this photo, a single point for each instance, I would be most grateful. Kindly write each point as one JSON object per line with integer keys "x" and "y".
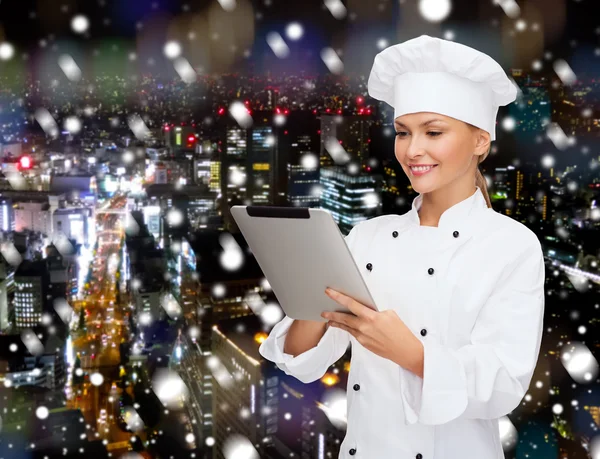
{"x": 129, "y": 291}
{"x": 330, "y": 379}
{"x": 25, "y": 162}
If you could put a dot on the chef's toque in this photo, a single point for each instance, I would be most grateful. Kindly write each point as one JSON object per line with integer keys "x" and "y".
{"x": 427, "y": 74}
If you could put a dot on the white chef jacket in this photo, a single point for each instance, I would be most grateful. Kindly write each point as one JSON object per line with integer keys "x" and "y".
{"x": 472, "y": 290}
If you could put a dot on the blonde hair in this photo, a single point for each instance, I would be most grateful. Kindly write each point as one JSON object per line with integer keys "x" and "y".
{"x": 479, "y": 178}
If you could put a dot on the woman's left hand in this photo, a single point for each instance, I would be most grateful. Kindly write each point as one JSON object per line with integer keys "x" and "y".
{"x": 382, "y": 332}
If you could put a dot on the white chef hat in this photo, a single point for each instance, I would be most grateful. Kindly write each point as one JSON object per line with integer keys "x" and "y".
{"x": 427, "y": 74}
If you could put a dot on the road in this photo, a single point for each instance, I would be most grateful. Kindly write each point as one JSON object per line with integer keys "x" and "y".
{"x": 105, "y": 328}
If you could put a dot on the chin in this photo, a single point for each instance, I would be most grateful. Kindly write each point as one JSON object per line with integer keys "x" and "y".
{"x": 423, "y": 187}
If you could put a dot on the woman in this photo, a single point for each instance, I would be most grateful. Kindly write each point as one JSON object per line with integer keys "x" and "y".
{"x": 459, "y": 287}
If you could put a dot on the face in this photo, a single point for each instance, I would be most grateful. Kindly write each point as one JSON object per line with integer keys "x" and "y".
{"x": 431, "y": 138}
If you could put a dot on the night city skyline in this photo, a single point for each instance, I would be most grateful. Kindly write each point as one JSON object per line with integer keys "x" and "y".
{"x": 131, "y": 308}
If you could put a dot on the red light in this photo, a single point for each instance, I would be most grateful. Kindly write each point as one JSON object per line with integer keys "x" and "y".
{"x": 221, "y": 111}
{"x": 167, "y": 128}
{"x": 286, "y": 111}
{"x": 277, "y": 110}
{"x": 191, "y": 138}
{"x": 25, "y": 162}
{"x": 328, "y": 110}
{"x": 359, "y": 100}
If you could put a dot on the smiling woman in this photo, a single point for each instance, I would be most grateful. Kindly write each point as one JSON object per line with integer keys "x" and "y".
{"x": 433, "y": 369}
{"x": 445, "y": 97}
{"x": 440, "y": 155}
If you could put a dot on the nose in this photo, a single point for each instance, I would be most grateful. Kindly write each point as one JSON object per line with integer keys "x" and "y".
{"x": 415, "y": 149}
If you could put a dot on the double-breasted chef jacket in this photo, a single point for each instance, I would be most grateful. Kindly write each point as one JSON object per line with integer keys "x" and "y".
{"x": 472, "y": 290}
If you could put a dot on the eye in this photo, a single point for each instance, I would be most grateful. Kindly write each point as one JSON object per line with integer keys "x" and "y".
{"x": 430, "y": 133}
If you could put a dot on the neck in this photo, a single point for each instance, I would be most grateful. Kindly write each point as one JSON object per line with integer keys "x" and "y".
{"x": 436, "y": 202}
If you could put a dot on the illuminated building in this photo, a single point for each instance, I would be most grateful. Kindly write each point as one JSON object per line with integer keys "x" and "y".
{"x": 7, "y": 217}
{"x": 31, "y": 291}
{"x": 349, "y": 198}
{"x": 351, "y": 131}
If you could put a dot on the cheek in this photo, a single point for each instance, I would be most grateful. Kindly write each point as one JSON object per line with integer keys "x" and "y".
{"x": 445, "y": 152}
{"x": 399, "y": 149}
{"x": 443, "y": 156}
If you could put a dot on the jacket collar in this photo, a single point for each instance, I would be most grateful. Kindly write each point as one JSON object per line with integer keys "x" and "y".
{"x": 455, "y": 217}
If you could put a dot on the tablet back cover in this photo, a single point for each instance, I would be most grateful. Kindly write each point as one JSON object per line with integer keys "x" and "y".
{"x": 301, "y": 251}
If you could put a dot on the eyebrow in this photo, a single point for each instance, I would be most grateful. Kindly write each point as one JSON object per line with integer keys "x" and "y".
{"x": 398, "y": 123}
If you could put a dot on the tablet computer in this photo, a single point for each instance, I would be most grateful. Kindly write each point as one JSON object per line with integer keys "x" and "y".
{"x": 301, "y": 252}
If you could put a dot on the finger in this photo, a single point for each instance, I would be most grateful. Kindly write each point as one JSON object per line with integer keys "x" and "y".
{"x": 356, "y": 307}
{"x": 343, "y": 327}
{"x": 345, "y": 318}
{"x": 358, "y": 335}
{"x": 359, "y": 309}
{"x": 339, "y": 298}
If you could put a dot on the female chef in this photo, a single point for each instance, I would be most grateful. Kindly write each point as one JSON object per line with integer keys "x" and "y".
{"x": 459, "y": 287}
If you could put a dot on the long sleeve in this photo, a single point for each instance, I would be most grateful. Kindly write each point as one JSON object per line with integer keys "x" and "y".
{"x": 312, "y": 364}
{"x": 488, "y": 378}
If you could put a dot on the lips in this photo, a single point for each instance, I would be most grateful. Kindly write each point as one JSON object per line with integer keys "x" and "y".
{"x": 430, "y": 167}
{"x": 418, "y": 173}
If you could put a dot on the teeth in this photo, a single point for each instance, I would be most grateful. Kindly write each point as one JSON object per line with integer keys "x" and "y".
{"x": 421, "y": 169}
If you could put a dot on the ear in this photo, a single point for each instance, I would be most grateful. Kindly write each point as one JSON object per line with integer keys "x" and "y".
{"x": 483, "y": 142}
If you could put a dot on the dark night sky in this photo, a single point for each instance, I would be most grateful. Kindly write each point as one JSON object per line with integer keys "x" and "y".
{"x": 19, "y": 28}
{"x": 52, "y": 21}
{"x": 321, "y": 29}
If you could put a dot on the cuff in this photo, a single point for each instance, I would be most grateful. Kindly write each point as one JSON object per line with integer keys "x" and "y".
{"x": 306, "y": 367}
{"x": 440, "y": 395}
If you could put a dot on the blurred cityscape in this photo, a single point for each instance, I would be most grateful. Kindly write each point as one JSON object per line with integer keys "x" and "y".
{"x": 131, "y": 308}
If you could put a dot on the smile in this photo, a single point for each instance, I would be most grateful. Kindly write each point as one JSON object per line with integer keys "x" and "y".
{"x": 418, "y": 171}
